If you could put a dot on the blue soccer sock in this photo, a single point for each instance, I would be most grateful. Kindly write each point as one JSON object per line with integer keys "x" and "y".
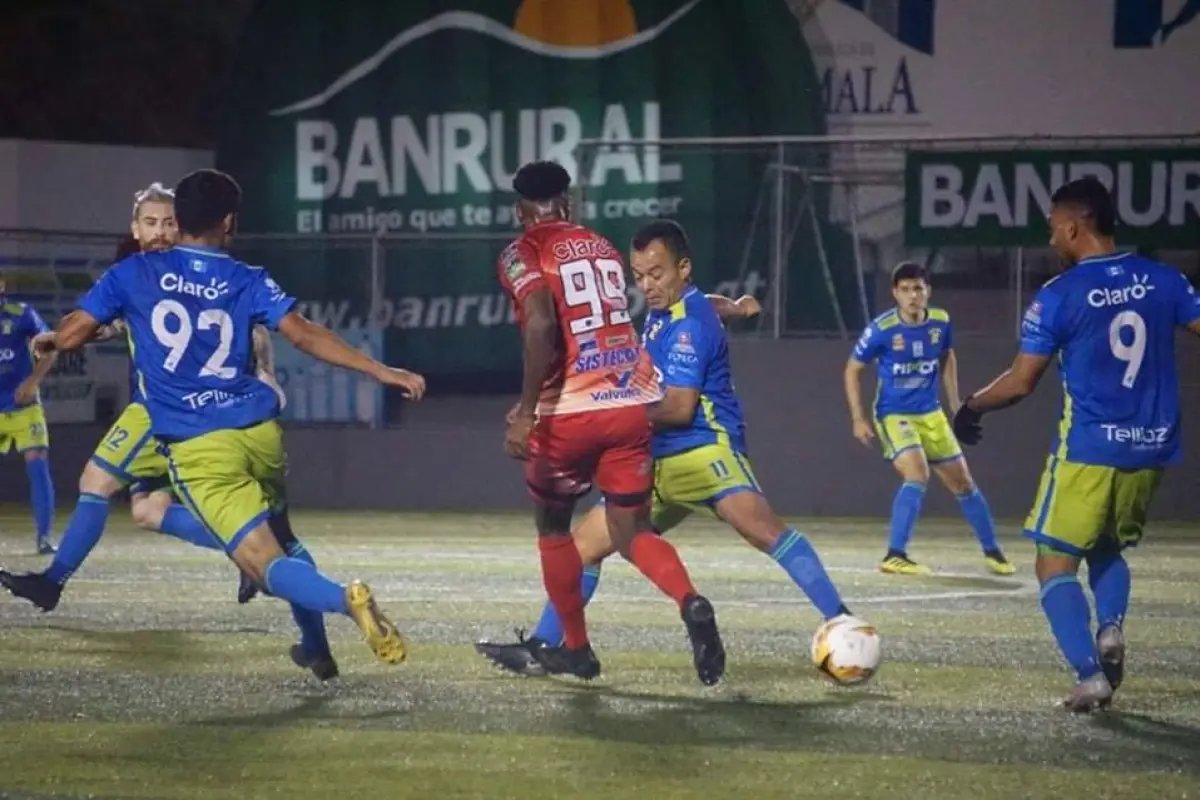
{"x": 182, "y": 524}
{"x": 979, "y": 517}
{"x": 1067, "y": 610}
{"x": 41, "y": 495}
{"x": 906, "y": 508}
{"x": 313, "y": 639}
{"x": 549, "y": 629}
{"x": 300, "y": 583}
{"x": 84, "y": 529}
{"x": 1108, "y": 575}
{"x": 796, "y": 555}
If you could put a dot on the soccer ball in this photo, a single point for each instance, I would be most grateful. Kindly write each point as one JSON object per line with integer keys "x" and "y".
{"x": 847, "y": 650}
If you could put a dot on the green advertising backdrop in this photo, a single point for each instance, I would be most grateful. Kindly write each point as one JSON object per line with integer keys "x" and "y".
{"x": 976, "y": 198}
{"x": 413, "y": 115}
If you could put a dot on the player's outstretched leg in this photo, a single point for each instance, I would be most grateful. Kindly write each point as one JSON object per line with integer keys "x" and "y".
{"x": 562, "y": 568}
{"x": 906, "y": 510}
{"x": 751, "y": 516}
{"x": 1066, "y": 608}
{"x": 297, "y": 581}
{"x": 956, "y": 477}
{"x": 41, "y": 496}
{"x": 83, "y": 531}
{"x": 1108, "y": 575}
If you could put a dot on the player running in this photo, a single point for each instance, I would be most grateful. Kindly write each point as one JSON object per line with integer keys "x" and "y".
{"x": 914, "y": 346}
{"x": 582, "y": 416}
{"x": 1110, "y": 321}
{"x": 22, "y": 420}
{"x": 190, "y": 311}
{"x": 127, "y": 456}
{"x": 699, "y": 442}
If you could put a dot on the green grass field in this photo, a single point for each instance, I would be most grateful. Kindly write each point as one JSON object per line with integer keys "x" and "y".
{"x": 149, "y": 681}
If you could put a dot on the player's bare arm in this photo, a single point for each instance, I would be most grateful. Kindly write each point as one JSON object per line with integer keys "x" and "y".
{"x": 74, "y": 331}
{"x": 745, "y": 307}
{"x": 852, "y": 382}
{"x": 322, "y": 343}
{"x": 1194, "y": 327}
{"x": 949, "y": 370}
{"x": 677, "y": 409}
{"x": 539, "y": 338}
{"x": 264, "y": 351}
{"x": 1014, "y": 384}
{"x": 26, "y": 392}
{"x": 111, "y": 331}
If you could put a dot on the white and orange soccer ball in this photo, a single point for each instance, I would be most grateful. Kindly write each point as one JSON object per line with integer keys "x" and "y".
{"x": 847, "y": 650}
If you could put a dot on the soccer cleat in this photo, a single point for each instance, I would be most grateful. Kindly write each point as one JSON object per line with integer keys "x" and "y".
{"x": 1110, "y": 641}
{"x": 45, "y": 547}
{"x": 582, "y": 663}
{"x": 1091, "y": 694}
{"x": 322, "y": 665}
{"x": 381, "y": 635}
{"x": 997, "y": 563}
{"x": 34, "y": 587}
{"x": 708, "y": 653}
{"x": 517, "y": 657}
{"x": 247, "y": 588}
{"x": 902, "y": 565}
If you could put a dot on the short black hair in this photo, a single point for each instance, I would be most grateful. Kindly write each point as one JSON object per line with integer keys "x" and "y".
{"x": 908, "y": 271}
{"x": 1091, "y": 200}
{"x": 203, "y": 198}
{"x": 667, "y": 231}
{"x": 539, "y": 181}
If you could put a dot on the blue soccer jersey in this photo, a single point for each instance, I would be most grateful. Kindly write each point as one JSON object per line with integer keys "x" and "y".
{"x": 909, "y": 359}
{"x": 1111, "y": 321}
{"x": 190, "y": 313}
{"x": 690, "y": 350}
{"x": 19, "y": 323}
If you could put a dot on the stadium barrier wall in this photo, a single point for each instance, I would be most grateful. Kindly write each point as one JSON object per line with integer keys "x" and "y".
{"x": 448, "y": 455}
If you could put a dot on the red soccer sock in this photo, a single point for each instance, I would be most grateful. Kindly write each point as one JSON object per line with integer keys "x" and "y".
{"x": 562, "y": 572}
{"x": 658, "y": 560}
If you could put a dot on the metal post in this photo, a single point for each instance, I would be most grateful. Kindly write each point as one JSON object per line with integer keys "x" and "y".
{"x": 375, "y": 309}
{"x": 1020, "y": 292}
{"x": 777, "y": 254}
{"x": 852, "y": 202}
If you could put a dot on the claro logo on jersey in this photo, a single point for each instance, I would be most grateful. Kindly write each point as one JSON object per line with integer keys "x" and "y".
{"x": 606, "y": 359}
{"x": 170, "y": 282}
{"x": 1104, "y": 298}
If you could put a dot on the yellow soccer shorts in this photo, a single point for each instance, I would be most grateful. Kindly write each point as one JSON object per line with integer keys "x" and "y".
{"x": 899, "y": 433}
{"x": 695, "y": 480}
{"x": 1080, "y": 506}
{"x": 131, "y": 454}
{"x": 24, "y": 429}
{"x": 232, "y": 480}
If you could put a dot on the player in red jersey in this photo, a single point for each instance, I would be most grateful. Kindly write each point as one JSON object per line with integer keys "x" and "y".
{"x": 582, "y": 416}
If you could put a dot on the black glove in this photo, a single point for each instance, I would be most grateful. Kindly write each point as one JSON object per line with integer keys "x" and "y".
{"x": 967, "y": 427}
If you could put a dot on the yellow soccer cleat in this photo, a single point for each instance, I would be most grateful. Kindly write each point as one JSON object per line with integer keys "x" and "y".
{"x": 902, "y": 565}
{"x": 998, "y": 564}
{"x": 381, "y": 635}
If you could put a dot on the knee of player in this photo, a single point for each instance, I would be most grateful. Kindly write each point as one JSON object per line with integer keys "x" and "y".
{"x": 94, "y": 480}
{"x": 36, "y": 454}
{"x": 1052, "y": 563}
{"x": 148, "y": 512}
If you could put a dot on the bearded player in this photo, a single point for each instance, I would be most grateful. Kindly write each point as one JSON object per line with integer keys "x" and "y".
{"x": 128, "y": 456}
{"x": 1109, "y": 322}
{"x": 701, "y": 460}
{"x": 582, "y": 416}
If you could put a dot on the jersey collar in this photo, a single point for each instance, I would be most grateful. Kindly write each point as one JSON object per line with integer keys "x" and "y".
{"x": 1101, "y": 259}
{"x": 202, "y": 251}
{"x": 900, "y": 319}
{"x": 676, "y": 308}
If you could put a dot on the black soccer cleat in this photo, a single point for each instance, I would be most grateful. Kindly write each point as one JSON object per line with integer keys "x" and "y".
{"x": 581, "y": 663}
{"x": 323, "y": 666}
{"x": 247, "y": 588}
{"x": 34, "y": 587}
{"x": 45, "y": 547}
{"x": 708, "y": 652}
{"x": 1110, "y": 642}
{"x": 517, "y": 657}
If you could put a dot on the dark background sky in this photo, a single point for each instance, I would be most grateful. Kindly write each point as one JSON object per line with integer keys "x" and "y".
{"x": 147, "y": 72}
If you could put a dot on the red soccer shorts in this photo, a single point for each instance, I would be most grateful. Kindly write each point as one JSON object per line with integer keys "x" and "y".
{"x": 568, "y": 452}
